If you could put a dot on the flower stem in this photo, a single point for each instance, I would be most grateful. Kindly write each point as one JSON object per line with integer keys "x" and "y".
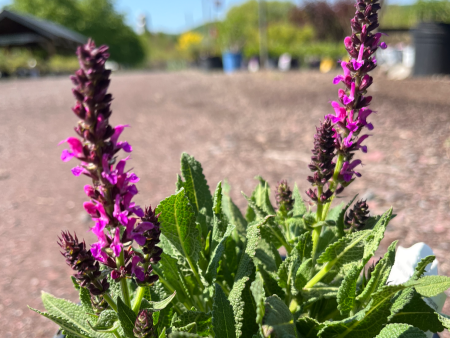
{"x": 333, "y": 184}
{"x": 319, "y": 275}
{"x": 317, "y": 230}
{"x": 123, "y": 282}
{"x": 110, "y": 301}
{"x": 138, "y": 299}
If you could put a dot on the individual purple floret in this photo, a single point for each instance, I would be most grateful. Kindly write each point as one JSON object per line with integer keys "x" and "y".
{"x": 113, "y": 187}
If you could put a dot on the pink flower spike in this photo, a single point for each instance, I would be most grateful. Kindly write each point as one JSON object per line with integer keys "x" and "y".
{"x": 337, "y": 79}
{"x": 76, "y": 149}
{"x": 90, "y": 208}
{"x": 117, "y": 131}
{"x": 345, "y": 68}
{"x": 348, "y": 42}
{"x": 361, "y": 139}
{"x": 89, "y": 191}
{"x": 383, "y": 45}
{"x": 137, "y": 270}
{"x": 66, "y": 155}
{"x": 348, "y": 140}
{"x": 77, "y": 171}
{"x": 347, "y": 171}
{"x": 351, "y": 98}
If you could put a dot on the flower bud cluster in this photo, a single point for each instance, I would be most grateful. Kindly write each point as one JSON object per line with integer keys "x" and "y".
{"x": 81, "y": 260}
{"x": 351, "y": 112}
{"x": 143, "y": 327}
{"x": 357, "y": 217}
{"x": 113, "y": 187}
{"x": 283, "y": 196}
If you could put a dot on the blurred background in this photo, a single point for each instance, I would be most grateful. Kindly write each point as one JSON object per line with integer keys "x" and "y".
{"x": 240, "y": 86}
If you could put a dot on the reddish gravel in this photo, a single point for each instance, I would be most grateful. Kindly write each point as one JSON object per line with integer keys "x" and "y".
{"x": 238, "y": 126}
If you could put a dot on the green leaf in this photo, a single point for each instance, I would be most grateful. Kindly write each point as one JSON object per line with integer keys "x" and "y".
{"x": 430, "y": 286}
{"x": 68, "y": 311}
{"x": 287, "y": 271}
{"x": 171, "y": 277}
{"x": 346, "y": 250}
{"x": 304, "y": 273}
{"x": 157, "y": 306}
{"x": 401, "y": 331}
{"x": 106, "y": 320}
{"x": 220, "y": 224}
{"x": 410, "y": 308}
{"x": 299, "y": 206}
{"x": 420, "y": 268}
{"x": 308, "y": 327}
{"x": 163, "y": 333}
{"x": 257, "y": 289}
{"x": 233, "y": 213}
{"x": 340, "y": 220}
{"x": 75, "y": 283}
{"x": 178, "y": 225}
{"x": 222, "y": 315}
{"x": 304, "y": 246}
{"x": 347, "y": 291}
{"x": 85, "y": 299}
{"x": 189, "y": 328}
{"x": 444, "y": 319}
{"x": 211, "y": 271}
{"x": 320, "y": 290}
{"x": 334, "y": 213}
{"x": 197, "y": 189}
{"x": 278, "y": 321}
{"x": 369, "y": 321}
{"x": 376, "y": 235}
{"x": 202, "y": 320}
{"x": 127, "y": 318}
{"x": 270, "y": 231}
{"x": 179, "y": 184}
{"x": 184, "y": 335}
{"x": 245, "y": 271}
{"x": 68, "y": 326}
{"x": 267, "y": 256}
{"x": 381, "y": 273}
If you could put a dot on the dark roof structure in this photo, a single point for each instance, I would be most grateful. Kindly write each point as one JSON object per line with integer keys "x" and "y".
{"x": 29, "y": 31}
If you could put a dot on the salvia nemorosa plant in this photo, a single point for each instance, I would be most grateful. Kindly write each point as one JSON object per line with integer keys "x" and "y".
{"x": 299, "y": 270}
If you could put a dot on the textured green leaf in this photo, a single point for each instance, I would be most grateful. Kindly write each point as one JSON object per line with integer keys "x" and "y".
{"x": 308, "y": 327}
{"x": 369, "y": 321}
{"x": 183, "y": 335}
{"x": 288, "y": 270}
{"x": 420, "y": 268}
{"x": 346, "y": 250}
{"x": 271, "y": 283}
{"x": 347, "y": 291}
{"x": 270, "y": 231}
{"x": 211, "y": 271}
{"x": 163, "y": 333}
{"x": 85, "y": 299}
{"x": 261, "y": 196}
{"x": 376, "y": 235}
{"x": 320, "y": 290}
{"x": 75, "y": 283}
{"x": 381, "y": 273}
{"x": 68, "y": 326}
{"x": 222, "y": 315}
{"x": 401, "y": 331}
{"x": 202, "y": 320}
{"x": 178, "y": 225}
{"x": 304, "y": 273}
{"x": 409, "y": 308}
{"x": 327, "y": 238}
{"x": 195, "y": 185}
{"x": 233, "y": 213}
{"x": 299, "y": 206}
{"x": 340, "y": 220}
{"x": 106, "y": 320}
{"x": 430, "y": 286}
{"x": 127, "y": 318}
{"x": 333, "y": 214}
{"x": 68, "y": 311}
{"x": 304, "y": 246}
{"x": 245, "y": 271}
{"x": 220, "y": 223}
{"x": 189, "y": 328}
{"x": 171, "y": 276}
{"x": 444, "y": 319}
{"x": 267, "y": 256}
{"x": 257, "y": 289}
{"x": 278, "y": 321}
{"x": 157, "y": 306}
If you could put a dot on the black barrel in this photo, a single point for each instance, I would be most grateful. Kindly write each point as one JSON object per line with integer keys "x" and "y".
{"x": 432, "y": 41}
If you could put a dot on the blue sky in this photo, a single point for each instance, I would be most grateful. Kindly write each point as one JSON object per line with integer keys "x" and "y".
{"x": 175, "y": 16}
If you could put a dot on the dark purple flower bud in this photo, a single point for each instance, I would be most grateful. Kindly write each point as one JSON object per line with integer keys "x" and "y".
{"x": 283, "y": 196}
{"x": 355, "y": 39}
{"x": 87, "y": 270}
{"x": 366, "y": 82}
{"x": 312, "y": 194}
{"x": 143, "y": 327}
{"x": 373, "y": 26}
{"x": 356, "y": 26}
{"x": 357, "y": 217}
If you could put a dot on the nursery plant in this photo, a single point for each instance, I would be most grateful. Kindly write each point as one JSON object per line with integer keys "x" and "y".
{"x": 195, "y": 266}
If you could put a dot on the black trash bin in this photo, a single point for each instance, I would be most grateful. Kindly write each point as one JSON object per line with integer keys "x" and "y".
{"x": 432, "y": 42}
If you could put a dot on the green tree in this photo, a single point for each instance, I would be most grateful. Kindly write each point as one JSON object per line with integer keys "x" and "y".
{"x": 93, "y": 18}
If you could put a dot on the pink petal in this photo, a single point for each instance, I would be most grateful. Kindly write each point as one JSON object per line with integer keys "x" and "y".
{"x": 77, "y": 171}
{"x": 66, "y": 155}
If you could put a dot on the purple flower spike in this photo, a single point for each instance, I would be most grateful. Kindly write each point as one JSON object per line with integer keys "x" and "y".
{"x": 357, "y": 64}
{"x": 347, "y": 171}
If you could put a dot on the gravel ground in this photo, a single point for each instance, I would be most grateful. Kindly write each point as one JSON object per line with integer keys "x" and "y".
{"x": 238, "y": 127}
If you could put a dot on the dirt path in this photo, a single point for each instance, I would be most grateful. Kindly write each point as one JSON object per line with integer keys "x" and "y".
{"x": 238, "y": 126}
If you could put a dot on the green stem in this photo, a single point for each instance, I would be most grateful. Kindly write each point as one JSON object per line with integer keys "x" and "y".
{"x": 110, "y": 301}
{"x": 194, "y": 270}
{"x": 333, "y": 183}
{"x": 138, "y": 299}
{"x": 317, "y": 230}
{"x": 116, "y": 334}
{"x": 319, "y": 275}
{"x": 123, "y": 282}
